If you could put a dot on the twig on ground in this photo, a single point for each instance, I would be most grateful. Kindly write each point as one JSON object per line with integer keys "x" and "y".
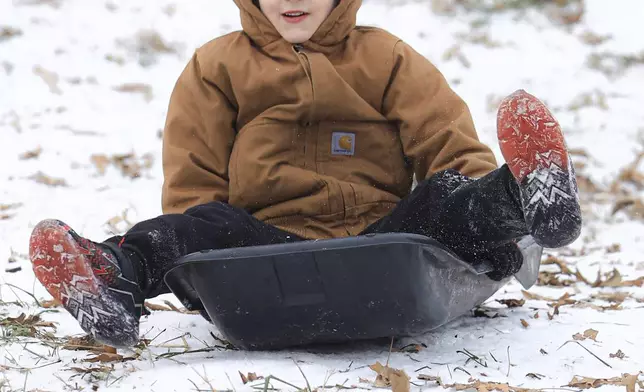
{"x": 157, "y": 335}
{"x": 26, "y": 292}
{"x": 199, "y": 350}
{"x": 40, "y": 356}
{"x": 308, "y": 386}
{"x": 591, "y": 353}
{"x": 348, "y": 369}
{"x": 509, "y": 363}
{"x": 24, "y": 387}
{"x": 471, "y": 357}
{"x": 227, "y": 344}
{"x": 115, "y": 380}
{"x": 271, "y": 377}
{"x": 231, "y": 382}
{"x": 205, "y": 378}
{"x": 20, "y": 302}
{"x": 391, "y": 347}
{"x": 173, "y": 339}
{"x": 463, "y": 370}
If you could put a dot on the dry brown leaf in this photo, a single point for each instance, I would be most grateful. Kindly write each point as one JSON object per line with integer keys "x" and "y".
{"x": 398, "y": 380}
{"x": 5, "y": 216}
{"x": 614, "y": 248}
{"x": 511, "y": 303}
{"x": 427, "y": 377}
{"x": 570, "y": 15}
{"x": 588, "y": 334}
{"x": 579, "y": 152}
{"x": 114, "y": 222}
{"x": 630, "y": 174}
{"x": 7, "y": 66}
{"x": 157, "y": 307}
{"x": 485, "y": 387}
{"x": 554, "y": 313}
{"x": 94, "y": 369}
{"x": 244, "y": 378}
{"x": 593, "y": 39}
{"x": 552, "y": 278}
{"x": 5, "y": 207}
{"x": 152, "y": 40}
{"x": 634, "y": 207}
{"x": 44, "y": 179}
{"x": 172, "y": 307}
{"x": 106, "y": 357}
{"x": 585, "y": 305}
{"x": 53, "y": 303}
{"x": 611, "y": 297}
{"x": 129, "y": 164}
{"x": 141, "y": 88}
{"x": 565, "y": 299}
{"x": 87, "y": 343}
{"x": 109, "y": 349}
{"x": 24, "y": 325}
{"x": 31, "y": 154}
{"x": 536, "y": 297}
{"x": 614, "y": 279}
{"x": 50, "y": 78}
{"x": 524, "y": 323}
{"x": 250, "y": 377}
{"x": 619, "y": 354}
{"x": 455, "y": 51}
{"x": 591, "y": 334}
{"x": 563, "y": 267}
{"x": 101, "y": 161}
{"x": 585, "y": 184}
{"x": 627, "y": 380}
{"x": 547, "y": 278}
{"x": 23, "y": 319}
{"x": 8, "y": 32}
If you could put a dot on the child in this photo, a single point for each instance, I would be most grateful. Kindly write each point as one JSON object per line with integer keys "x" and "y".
{"x": 304, "y": 126}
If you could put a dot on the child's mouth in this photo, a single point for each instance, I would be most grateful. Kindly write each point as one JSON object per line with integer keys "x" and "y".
{"x": 294, "y": 16}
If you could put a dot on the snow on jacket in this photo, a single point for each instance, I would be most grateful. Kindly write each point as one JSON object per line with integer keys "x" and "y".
{"x": 319, "y": 139}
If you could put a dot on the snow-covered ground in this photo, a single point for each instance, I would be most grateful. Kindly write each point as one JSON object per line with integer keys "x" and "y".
{"x": 84, "y": 84}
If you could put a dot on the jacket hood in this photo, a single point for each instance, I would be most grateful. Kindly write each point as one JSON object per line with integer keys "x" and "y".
{"x": 333, "y": 30}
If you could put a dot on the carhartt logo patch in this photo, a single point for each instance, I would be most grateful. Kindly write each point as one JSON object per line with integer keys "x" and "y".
{"x": 343, "y": 143}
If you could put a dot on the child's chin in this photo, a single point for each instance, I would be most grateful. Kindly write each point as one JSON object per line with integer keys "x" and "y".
{"x": 296, "y": 38}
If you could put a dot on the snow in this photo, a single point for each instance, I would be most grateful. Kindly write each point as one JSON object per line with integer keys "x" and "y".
{"x": 59, "y": 83}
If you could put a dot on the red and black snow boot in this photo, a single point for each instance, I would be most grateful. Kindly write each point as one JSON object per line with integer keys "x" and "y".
{"x": 535, "y": 151}
{"x": 95, "y": 285}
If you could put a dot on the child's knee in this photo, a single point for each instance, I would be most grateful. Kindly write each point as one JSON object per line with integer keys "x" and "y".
{"x": 207, "y": 208}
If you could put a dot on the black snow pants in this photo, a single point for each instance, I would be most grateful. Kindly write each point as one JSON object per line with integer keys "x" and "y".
{"x": 478, "y": 219}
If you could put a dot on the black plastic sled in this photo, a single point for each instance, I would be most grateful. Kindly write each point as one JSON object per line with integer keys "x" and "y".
{"x": 331, "y": 291}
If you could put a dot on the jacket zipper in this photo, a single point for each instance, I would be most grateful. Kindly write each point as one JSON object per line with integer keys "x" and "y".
{"x": 304, "y": 60}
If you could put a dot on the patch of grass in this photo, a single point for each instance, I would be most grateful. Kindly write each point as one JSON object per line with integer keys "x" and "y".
{"x": 614, "y": 64}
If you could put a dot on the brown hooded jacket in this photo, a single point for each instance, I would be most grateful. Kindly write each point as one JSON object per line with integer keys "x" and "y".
{"x": 319, "y": 139}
